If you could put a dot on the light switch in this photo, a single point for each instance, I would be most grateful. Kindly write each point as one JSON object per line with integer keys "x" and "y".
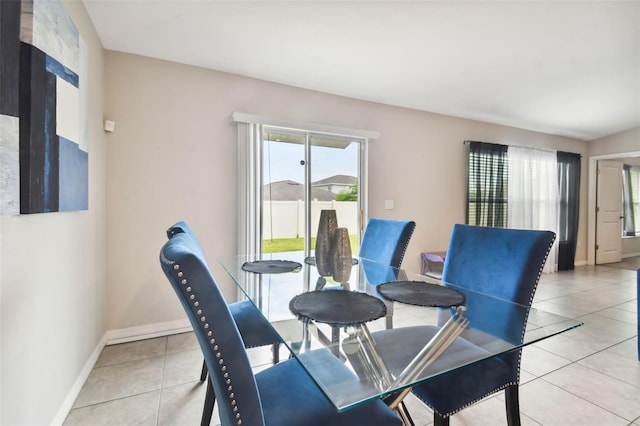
{"x": 388, "y": 204}
{"x": 109, "y": 126}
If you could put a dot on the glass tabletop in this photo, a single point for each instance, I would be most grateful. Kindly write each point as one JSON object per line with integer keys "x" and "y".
{"x": 405, "y": 345}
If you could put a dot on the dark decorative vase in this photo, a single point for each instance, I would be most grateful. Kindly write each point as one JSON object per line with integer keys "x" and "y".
{"x": 326, "y": 227}
{"x": 341, "y": 251}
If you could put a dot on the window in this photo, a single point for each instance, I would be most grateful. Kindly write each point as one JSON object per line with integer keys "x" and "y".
{"x": 510, "y": 186}
{"x": 304, "y": 173}
{"x": 487, "y": 185}
{"x": 631, "y": 200}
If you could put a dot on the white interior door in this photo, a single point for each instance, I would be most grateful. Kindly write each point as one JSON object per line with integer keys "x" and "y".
{"x": 609, "y": 212}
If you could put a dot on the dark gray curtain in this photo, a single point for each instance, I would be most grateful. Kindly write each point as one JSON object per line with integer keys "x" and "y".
{"x": 569, "y": 194}
{"x": 487, "y": 184}
{"x": 628, "y": 222}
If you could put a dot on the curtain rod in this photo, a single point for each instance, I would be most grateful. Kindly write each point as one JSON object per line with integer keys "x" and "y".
{"x": 467, "y": 142}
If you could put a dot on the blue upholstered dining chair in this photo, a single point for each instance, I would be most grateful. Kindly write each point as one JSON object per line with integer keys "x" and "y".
{"x": 505, "y": 263}
{"x": 281, "y": 395}
{"x": 385, "y": 240}
{"x": 253, "y": 326}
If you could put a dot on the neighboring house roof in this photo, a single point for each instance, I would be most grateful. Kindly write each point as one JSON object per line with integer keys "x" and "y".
{"x": 337, "y": 180}
{"x": 288, "y": 190}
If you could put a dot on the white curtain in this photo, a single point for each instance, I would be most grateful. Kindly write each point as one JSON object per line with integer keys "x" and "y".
{"x": 533, "y": 194}
{"x": 249, "y": 189}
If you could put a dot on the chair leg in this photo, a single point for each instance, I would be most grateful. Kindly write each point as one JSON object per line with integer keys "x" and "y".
{"x": 335, "y": 341}
{"x": 389, "y": 316}
{"x": 210, "y": 398}
{"x": 404, "y": 414}
{"x": 513, "y": 405}
{"x": 438, "y": 420}
{"x": 209, "y": 402}
{"x": 203, "y": 373}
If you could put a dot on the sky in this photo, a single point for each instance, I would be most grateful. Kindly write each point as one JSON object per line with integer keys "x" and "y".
{"x": 282, "y": 162}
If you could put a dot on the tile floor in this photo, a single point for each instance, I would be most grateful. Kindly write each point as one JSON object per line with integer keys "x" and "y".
{"x": 588, "y": 376}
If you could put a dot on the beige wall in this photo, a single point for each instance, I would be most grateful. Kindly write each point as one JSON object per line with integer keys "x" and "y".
{"x": 623, "y": 142}
{"x": 173, "y": 157}
{"x": 52, "y": 281}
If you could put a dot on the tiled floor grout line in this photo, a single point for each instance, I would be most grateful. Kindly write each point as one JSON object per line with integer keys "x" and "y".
{"x": 164, "y": 367}
{"x": 578, "y": 396}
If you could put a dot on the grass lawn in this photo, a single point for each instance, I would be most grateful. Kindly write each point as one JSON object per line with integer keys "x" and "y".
{"x": 280, "y": 245}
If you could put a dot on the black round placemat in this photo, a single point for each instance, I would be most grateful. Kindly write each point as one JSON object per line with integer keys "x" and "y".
{"x": 421, "y": 293}
{"x": 337, "y": 307}
{"x": 271, "y": 266}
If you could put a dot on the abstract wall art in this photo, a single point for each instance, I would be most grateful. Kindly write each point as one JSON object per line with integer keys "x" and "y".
{"x": 43, "y": 139}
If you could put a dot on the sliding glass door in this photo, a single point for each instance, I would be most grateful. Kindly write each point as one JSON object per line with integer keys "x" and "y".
{"x": 303, "y": 173}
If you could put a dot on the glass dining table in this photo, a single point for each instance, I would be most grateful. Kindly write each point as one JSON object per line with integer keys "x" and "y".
{"x": 392, "y": 328}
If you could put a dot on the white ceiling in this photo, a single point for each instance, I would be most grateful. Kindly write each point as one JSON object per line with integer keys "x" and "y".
{"x": 559, "y": 67}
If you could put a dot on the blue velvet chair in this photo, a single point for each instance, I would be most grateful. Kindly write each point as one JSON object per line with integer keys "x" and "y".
{"x": 507, "y": 264}
{"x": 385, "y": 240}
{"x": 281, "y": 395}
{"x": 254, "y": 327}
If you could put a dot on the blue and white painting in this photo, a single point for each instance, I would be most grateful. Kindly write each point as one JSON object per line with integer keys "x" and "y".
{"x": 9, "y": 108}
{"x": 47, "y": 61}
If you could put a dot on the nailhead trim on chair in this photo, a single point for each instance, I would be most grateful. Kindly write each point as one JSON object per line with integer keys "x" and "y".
{"x": 214, "y": 346}
{"x": 517, "y": 382}
{"x": 406, "y": 245}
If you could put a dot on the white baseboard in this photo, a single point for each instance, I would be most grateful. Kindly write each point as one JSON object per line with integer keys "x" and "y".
{"x": 66, "y": 406}
{"x": 580, "y": 262}
{"x": 148, "y": 331}
{"x": 112, "y": 337}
